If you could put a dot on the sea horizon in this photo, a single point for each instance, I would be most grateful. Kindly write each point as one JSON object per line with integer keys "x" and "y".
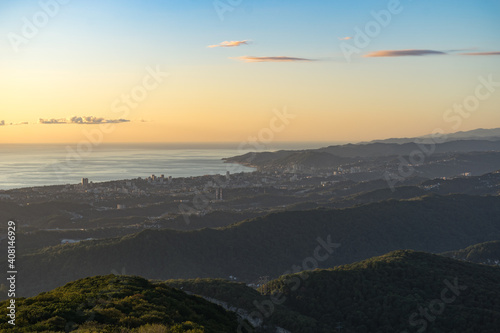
{"x": 35, "y": 165}
{"x": 275, "y": 145}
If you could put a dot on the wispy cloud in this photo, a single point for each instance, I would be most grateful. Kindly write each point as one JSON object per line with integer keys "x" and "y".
{"x": 403, "y": 53}
{"x": 3, "y": 123}
{"x": 271, "y": 59}
{"x": 53, "y": 121}
{"x": 481, "y": 53}
{"x": 415, "y": 52}
{"x": 460, "y": 50}
{"x": 96, "y": 120}
{"x": 89, "y": 120}
{"x": 345, "y": 38}
{"x": 233, "y": 43}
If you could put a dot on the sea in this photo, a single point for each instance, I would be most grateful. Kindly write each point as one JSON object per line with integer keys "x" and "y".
{"x": 33, "y": 165}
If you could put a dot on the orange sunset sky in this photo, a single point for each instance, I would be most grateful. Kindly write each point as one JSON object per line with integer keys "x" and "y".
{"x": 230, "y": 67}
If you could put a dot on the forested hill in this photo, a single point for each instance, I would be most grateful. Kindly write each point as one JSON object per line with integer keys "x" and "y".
{"x": 337, "y": 155}
{"x": 403, "y": 291}
{"x": 380, "y": 294}
{"x": 117, "y": 304}
{"x": 271, "y": 245}
{"x": 487, "y": 253}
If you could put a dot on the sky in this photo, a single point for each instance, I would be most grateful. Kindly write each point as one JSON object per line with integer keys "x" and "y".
{"x": 239, "y": 70}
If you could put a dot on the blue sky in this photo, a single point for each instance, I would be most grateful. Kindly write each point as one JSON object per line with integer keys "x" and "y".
{"x": 179, "y": 28}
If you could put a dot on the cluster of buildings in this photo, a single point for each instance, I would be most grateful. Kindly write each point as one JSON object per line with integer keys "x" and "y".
{"x": 159, "y": 180}
{"x": 218, "y": 194}
{"x": 85, "y": 182}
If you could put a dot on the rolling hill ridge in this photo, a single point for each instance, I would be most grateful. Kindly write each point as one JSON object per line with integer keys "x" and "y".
{"x": 273, "y": 244}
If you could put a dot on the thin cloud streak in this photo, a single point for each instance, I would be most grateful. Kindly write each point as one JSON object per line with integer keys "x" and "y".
{"x": 248, "y": 59}
{"x": 402, "y": 53}
{"x": 3, "y": 123}
{"x": 481, "y": 53}
{"x": 234, "y": 43}
{"x": 89, "y": 120}
{"x": 53, "y": 121}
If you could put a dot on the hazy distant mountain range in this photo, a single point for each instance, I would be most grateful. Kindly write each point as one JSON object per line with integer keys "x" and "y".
{"x": 379, "y": 157}
{"x": 445, "y": 157}
{"x": 492, "y": 134}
